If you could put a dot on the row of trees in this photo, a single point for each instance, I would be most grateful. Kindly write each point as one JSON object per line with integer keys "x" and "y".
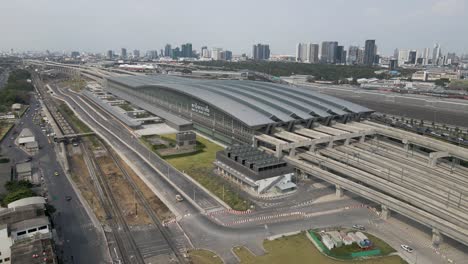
{"x": 16, "y": 90}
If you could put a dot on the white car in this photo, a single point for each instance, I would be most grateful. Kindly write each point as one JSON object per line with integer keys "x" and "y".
{"x": 407, "y": 248}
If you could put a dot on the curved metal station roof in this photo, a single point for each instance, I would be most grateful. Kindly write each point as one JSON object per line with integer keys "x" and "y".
{"x": 254, "y": 103}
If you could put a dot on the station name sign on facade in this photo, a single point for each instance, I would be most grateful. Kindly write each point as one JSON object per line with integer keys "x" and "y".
{"x": 201, "y": 109}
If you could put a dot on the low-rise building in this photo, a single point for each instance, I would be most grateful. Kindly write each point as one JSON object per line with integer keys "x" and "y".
{"x": 25, "y": 136}
{"x": 24, "y": 171}
{"x": 16, "y": 107}
{"x": 255, "y": 170}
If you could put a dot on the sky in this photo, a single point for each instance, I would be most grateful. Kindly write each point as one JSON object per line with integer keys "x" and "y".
{"x": 100, "y": 25}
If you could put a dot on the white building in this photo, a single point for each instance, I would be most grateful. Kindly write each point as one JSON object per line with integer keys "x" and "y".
{"x": 216, "y": 53}
{"x": 26, "y": 136}
{"x": 307, "y": 52}
{"x": 403, "y": 55}
{"x": 29, "y": 228}
{"x": 5, "y": 244}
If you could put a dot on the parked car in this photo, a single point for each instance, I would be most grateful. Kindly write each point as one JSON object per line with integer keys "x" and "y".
{"x": 359, "y": 227}
{"x": 407, "y": 248}
{"x": 68, "y": 198}
{"x": 56, "y": 173}
{"x": 179, "y": 198}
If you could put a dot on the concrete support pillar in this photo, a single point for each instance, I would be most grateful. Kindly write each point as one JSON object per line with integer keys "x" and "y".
{"x": 385, "y": 212}
{"x": 436, "y": 237}
{"x": 346, "y": 142}
{"x": 406, "y": 147}
{"x": 255, "y": 142}
{"x": 279, "y": 151}
{"x": 434, "y": 156}
{"x": 292, "y": 152}
{"x": 339, "y": 191}
{"x": 362, "y": 139}
{"x": 312, "y": 147}
{"x": 330, "y": 144}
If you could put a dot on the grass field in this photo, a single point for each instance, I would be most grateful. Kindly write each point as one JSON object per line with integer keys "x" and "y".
{"x": 75, "y": 84}
{"x": 204, "y": 257}
{"x": 199, "y": 166}
{"x": 298, "y": 249}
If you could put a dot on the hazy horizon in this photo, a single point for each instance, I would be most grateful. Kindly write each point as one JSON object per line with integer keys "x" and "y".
{"x": 97, "y": 26}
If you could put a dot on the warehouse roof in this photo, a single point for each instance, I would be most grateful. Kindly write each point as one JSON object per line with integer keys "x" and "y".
{"x": 254, "y": 103}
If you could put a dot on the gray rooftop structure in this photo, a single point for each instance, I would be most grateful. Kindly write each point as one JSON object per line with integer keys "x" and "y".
{"x": 253, "y": 103}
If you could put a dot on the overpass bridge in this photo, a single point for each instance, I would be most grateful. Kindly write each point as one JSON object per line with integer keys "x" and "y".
{"x": 421, "y": 178}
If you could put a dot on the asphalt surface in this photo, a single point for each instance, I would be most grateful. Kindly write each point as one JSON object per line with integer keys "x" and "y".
{"x": 78, "y": 239}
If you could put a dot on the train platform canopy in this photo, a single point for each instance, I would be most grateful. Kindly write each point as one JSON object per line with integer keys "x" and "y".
{"x": 254, "y": 103}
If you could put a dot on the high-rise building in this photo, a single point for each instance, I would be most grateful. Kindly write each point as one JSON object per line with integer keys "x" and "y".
{"x": 152, "y": 54}
{"x": 204, "y": 52}
{"x": 228, "y": 55}
{"x": 75, "y": 54}
{"x": 123, "y": 53}
{"x": 369, "y": 52}
{"x": 328, "y": 52}
{"x": 216, "y": 53}
{"x": 403, "y": 56}
{"x": 187, "y": 50}
{"x": 301, "y": 52}
{"x": 136, "y": 54}
{"x": 307, "y": 52}
{"x": 339, "y": 58}
{"x": 168, "y": 50}
{"x": 110, "y": 54}
{"x": 261, "y": 52}
{"x": 360, "y": 56}
{"x": 176, "y": 53}
{"x": 412, "y": 57}
{"x": 425, "y": 56}
{"x": 353, "y": 55}
{"x": 313, "y": 53}
{"x": 436, "y": 54}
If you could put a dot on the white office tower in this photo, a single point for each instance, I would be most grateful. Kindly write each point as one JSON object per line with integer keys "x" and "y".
{"x": 205, "y": 52}
{"x": 426, "y": 55}
{"x": 216, "y": 53}
{"x": 436, "y": 54}
{"x": 307, "y": 52}
{"x": 301, "y": 52}
{"x": 402, "y": 56}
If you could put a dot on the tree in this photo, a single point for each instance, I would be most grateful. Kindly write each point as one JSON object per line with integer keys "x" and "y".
{"x": 17, "y": 195}
{"x": 12, "y": 186}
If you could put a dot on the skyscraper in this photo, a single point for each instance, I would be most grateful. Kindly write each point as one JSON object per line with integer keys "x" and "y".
{"x": 261, "y": 52}
{"x": 436, "y": 54}
{"x": 110, "y": 54}
{"x": 301, "y": 52}
{"x": 425, "y": 56}
{"x": 136, "y": 54}
{"x": 216, "y": 53}
{"x": 228, "y": 55}
{"x": 412, "y": 57}
{"x": 307, "y": 52}
{"x": 369, "y": 52}
{"x": 353, "y": 55}
{"x": 313, "y": 53}
{"x": 340, "y": 56}
{"x": 123, "y": 53}
{"x": 204, "y": 52}
{"x": 186, "y": 50}
{"x": 328, "y": 53}
{"x": 403, "y": 56}
{"x": 168, "y": 50}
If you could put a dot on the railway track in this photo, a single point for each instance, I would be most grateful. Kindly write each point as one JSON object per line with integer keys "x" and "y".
{"x": 127, "y": 247}
{"x": 143, "y": 201}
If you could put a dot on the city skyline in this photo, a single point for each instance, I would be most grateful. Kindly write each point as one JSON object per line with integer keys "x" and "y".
{"x": 118, "y": 28}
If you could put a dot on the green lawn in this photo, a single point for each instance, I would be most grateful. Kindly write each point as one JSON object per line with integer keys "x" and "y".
{"x": 204, "y": 257}
{"x": 199, "y": 166}
{"x": 126, "y": 107}
{"x": 76, "y": 84}
{"x": 298, "y": 249}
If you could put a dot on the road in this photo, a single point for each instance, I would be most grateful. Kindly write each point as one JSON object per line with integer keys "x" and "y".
{"x": 78, "y": 238}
